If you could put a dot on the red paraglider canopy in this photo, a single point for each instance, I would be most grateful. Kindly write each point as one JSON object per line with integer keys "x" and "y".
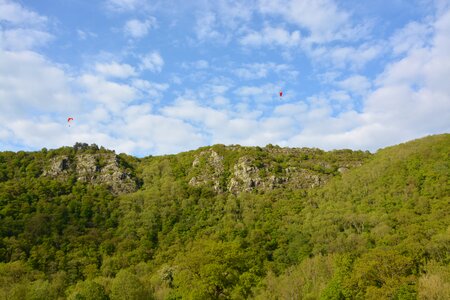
{"x": 281, "y": 93}
{"x": 69, "y": 119}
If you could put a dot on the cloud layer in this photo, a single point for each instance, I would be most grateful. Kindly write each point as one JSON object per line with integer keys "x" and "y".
{"x": 164, "y": 87}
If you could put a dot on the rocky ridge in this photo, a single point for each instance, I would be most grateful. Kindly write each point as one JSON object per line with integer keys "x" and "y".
{"x": 223, "y": 169}
{"x": 98, "y": 168}
{"x": 273, "y": 167}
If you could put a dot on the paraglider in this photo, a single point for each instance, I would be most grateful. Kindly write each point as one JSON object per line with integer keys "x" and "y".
{"x": 69, "y": 119}
{"x": 281, "y": 93}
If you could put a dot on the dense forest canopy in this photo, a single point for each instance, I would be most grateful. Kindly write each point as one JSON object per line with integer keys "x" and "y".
{"x": 227, "y": 222}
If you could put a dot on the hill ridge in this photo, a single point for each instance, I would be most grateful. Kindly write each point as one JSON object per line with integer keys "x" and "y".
{"x": 376, "y": 230}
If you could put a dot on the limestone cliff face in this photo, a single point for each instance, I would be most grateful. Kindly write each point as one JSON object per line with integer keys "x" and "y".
{"x": 248, "y": 177}
{"x": 208, "y": 167}
{"x": 99, "y": 168}
{"x": 59, "y": 166}
{"x": 292, "y": 168}
{"x": 224, "y": 169}
{"x": 245, "y": 176}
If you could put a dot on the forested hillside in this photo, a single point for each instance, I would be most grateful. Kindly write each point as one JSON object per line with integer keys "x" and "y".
{"x": 227, "y": 222}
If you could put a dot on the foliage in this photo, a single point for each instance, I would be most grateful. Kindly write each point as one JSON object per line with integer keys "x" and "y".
{"x": 379, "y": 230}
{"x": 87, "y": 290}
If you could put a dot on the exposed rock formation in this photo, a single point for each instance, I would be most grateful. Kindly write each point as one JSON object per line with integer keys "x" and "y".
{"x": 99, "y": 168}
{"x": 248, "y": 174}
{"x": 246, "y": 177}
{"x": 239, "y": 169}
{"x": 233, "y": 169}
{"x": 208, "y": 167}
{"x": 58, "y": 166}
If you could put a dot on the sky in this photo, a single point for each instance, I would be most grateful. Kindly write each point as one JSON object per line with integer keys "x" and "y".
{"x": 165, "y": 76}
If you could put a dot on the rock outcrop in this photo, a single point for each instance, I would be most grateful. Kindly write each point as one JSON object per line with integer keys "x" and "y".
{"x": 245, "y": 176}
{"x": 248, "y": 169}
{"x": 59, "y": 166}
{"x": 208, "y": 167}
{"x": 99, "y": 168}
{"x": 234, "y": 169}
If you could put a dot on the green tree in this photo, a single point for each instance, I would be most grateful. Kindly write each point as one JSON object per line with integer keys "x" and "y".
{"x": 211, "y": 270}
{"x": 87, "y": 290}
{"x": 127, "y": 286}
{"x": 40, "y": 290}
{"x": 380, "y": 274}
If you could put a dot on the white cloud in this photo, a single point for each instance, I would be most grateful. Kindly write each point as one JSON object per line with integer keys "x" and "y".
{"x": 28, "y": 82}
{"x": 347, "y": 56}
{"x": 115, "y": 95}
{"x": 21, "y": 28}
{"x": 115, "y": 69}
{"x": 356, "y": 84}
{"x": 15, "y": 14}
{"x": 271, "y": 36}
{"x": 189, "y": 110}
{"x": 254, "y": 71}
{"x": 260, "y": 94}
{"x": 37, "y": 97}
{"x": 220, "y": 101}
{"x": 150, "y": 89}
{"x": 222, "y": 20}
{"x": 262, "y": 70}
{"x": 233, "y": 13}
{"x": 32, "y": 131}
{"x": 138, "y": 29}
{"x": 199, "y": 64}
{"x": 159, "y": 134}
{"x": 152, "y": 62}
{"x": 413, "y": 93}
{"x": 442, "y": 6}
{"x": 99, "y": 114}
{"x": 411, "y": 99}
{"x": 408, "y": 70}
{"x": 231, "y": 127}
{"x": 339, "y": 95}
{"x": 84, "y": 34}
{"x": 321, "y": 18}
{"x": 412, "y": 36}
{"x": 119, "y": 107}
{"x": 23, "y": 39}
{"x": 219, "y": 126}
{"x": 212, "y": 93}
{"x": 125, "y": 5}
{"x": 291, "y": 109}
{"x": 217, "y": 89}
{"x": 205, "y": 27}
{"x": 247, "y": 91}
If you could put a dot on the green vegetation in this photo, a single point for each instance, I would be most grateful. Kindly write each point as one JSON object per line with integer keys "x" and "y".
{"x": 229, "y": 222}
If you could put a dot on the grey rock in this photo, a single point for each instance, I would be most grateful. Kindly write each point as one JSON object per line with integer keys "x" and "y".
{"x": 208, "y": 166}
{"x": 99, "y": 168}
{"x": 59, "y": 165}
{"x": 245, "y": 176}
{"x": 342, "y": 170}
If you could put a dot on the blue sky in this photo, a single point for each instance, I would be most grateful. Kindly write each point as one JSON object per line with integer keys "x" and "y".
{"x": 159, "y": 77}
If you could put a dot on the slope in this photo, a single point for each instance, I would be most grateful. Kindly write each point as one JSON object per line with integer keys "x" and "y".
{"x": 382, "y": 230}
{"x": 227, "y": 222}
